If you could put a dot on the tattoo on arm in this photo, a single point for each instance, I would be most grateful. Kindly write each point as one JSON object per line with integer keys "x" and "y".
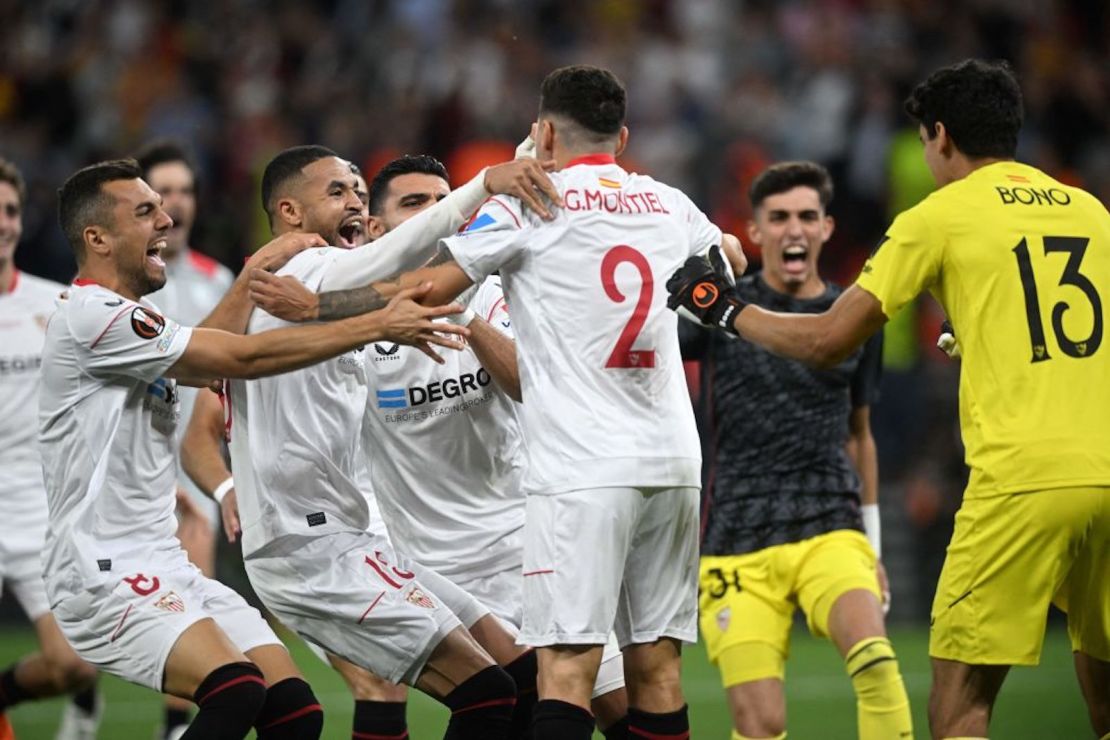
{"x": 342, "y": 304}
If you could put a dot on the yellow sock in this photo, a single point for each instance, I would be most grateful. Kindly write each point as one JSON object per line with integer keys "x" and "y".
{"x": 737, "y": 736}
{"x": 882, "y": 707}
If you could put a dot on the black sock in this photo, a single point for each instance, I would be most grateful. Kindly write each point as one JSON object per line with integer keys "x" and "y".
{"x": 380, "y": 718}
{"x": 559, "y": 720}
{"x": 523, "y": 672}
{"x": 618, "y": 730}
{"x": 482, "y": 706}
{"x": 290, "y": 712}
{"x": 229, "y": 700}
{"x": 648, "y": 724}
{"x": 85, "y": 699}
{"x": 174, "y": 718}
{"x": 11, "y": 693}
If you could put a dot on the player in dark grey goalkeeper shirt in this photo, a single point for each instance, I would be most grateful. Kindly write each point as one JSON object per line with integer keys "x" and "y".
{"x": 791, "y": 452}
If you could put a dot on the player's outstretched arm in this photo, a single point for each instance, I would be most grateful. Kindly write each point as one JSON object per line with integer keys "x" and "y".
{"x": 203, "y": 461}
{"x": 497, "y": 353}
{"x": 215, "y": 353}
{"x": 234, "y": 310}
{"x": 413, "y": 242}
{"x": 823, "y": 339}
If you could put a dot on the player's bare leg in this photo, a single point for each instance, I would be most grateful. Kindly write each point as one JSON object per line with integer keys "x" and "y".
{"x": 653, "y": 677}
{"x": 230, "y": 691}
{"x": 197, "y": 539}
{"x": 857, "y": 628}
{"x": 758, "y": 708}
{"x": 54, "y": 670}
{"x": 480, "y": 694}
{"x": 566, "y": 679}
{"x": 609, "y": 709}
{"x": 1094, "y": 680}
{"x": 962, "y": 698}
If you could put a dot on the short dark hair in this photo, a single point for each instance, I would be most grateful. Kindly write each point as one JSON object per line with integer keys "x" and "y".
{"x": 10, "y": 174}
{"x": 783, "y": 176}
{"x": 590, "y": 96}
{"x": 82, "y": 200}
{"x": 979, "y": 104}
{"x": 407, "y": 164}
{"x": 286, "y": 166}
{"x": 162, "y": 151}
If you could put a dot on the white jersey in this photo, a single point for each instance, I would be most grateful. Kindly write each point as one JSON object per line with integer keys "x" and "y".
{"x": 195, "y": 283}
{"x": 605, "y": 398}
{"x": 24, "y": 311}
{"x": 300, "y": 472}
{"x": 445, "y": 453}
{"x": 107, "y": 433}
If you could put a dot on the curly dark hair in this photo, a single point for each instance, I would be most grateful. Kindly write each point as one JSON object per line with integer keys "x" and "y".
{"x": 407, "y": 164}
{"x": 979, "y": 104}
{"x": 82, "y": 201}
{"x": 783, "y": 176}
{"x": 590, "y": 96}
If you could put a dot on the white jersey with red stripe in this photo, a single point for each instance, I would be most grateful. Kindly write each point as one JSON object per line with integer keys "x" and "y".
{"x": 605, "y": 399}
{"x": 107, "y": 433}
{"x": 300, "y": 471}
{"x": 24, "y": 311}
{"x": 445, "y": 453}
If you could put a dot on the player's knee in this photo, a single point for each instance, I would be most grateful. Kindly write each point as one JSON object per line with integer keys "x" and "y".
{"x": 873, "y": 669}
{"x": 230, "y": 699}
{"x": 759, "y": 719}
{"x": 291, "y": 711}
{"x": 71, "y": 674}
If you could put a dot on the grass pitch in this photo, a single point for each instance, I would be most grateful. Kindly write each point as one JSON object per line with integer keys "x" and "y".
{"x": 1042, "y": 702}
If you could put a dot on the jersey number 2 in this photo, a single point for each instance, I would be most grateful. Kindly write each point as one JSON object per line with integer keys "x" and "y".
{"x": 623, "y": 356}
{"x": 1074, "y": 247}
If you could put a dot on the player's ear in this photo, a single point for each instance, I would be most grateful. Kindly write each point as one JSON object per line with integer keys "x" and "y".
{"x": 97, "y": 240}
{"x": 830, "y": 226}
{"x": 375, "y": 228}
{"x": 289, "y": 211}
{"x": 753, "y": 231}
{"x": 944, "y": 141}
{"x": 545, "y": 143}
{"x": 622, "y": 141}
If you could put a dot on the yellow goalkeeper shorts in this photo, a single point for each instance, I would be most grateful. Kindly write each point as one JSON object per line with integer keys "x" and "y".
{"x": 1009, "y": 557}
{"x": 751, "y": 598}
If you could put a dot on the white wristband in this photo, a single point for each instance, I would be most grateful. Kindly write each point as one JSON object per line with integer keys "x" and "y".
{"x": 222, "y": 489}
{"x": 872, "y": 528}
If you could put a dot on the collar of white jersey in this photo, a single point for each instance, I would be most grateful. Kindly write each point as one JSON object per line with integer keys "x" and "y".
{"x": 593, "y": 159}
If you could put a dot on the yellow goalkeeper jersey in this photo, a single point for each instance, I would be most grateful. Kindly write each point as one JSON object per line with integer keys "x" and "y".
{"x": 1021, "y": 264}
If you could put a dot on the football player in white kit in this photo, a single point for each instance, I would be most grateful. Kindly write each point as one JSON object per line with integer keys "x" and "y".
{"x": 118, "y": 583}
{"x": 464, "y": 522}
{"x": 26, "y": 303}
{"x": 301, "y": 475}
{"x": 195, "y": 283}
{"x": 613, "y": 458}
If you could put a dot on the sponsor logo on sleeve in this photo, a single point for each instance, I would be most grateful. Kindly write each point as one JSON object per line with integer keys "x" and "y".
{"x": 478, "y": 223}
{"x": 146, "y": 324}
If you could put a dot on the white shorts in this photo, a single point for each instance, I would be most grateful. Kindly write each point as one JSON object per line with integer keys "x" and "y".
{"x": 128, "y": 628}
{"x": 21, "y": 569}
{"x": 351, "y": 594}
{"x": 611, "y": 559}
{"x": 468, "y": 609}
{"x": 501, "y": 592}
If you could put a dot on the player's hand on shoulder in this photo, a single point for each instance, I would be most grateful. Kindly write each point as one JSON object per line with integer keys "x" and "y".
{"x": 273, "y": 255}
{"x": 283, "y": 296}
{"x": 229, "y": 514}
{"x": 527, "y": 180}
{"x": 701, "y": 293}
{"x": 405, "y": 321}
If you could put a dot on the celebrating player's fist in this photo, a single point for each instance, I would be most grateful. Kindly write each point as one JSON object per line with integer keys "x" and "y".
{"x": 700, "y": 293}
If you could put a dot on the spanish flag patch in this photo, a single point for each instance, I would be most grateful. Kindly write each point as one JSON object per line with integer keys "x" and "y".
{"x": 609, "y": 183}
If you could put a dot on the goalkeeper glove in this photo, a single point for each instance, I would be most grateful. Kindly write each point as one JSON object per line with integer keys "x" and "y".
{"x": 946, "y": 342}
{"x": 702, "y": 294}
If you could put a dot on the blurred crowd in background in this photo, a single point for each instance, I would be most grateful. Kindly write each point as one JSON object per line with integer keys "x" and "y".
{"x": 718, "y": 89}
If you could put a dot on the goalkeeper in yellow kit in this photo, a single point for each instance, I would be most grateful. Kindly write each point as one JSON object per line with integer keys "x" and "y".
{"x": 1021, "y": 264}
